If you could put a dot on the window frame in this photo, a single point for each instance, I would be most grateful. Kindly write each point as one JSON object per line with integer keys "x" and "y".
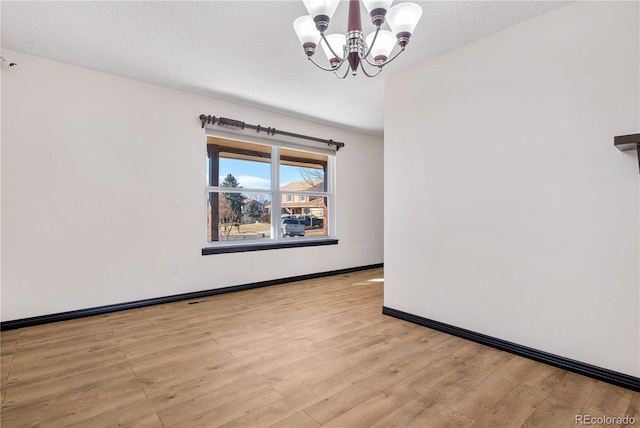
{"x": 276, "y": 241}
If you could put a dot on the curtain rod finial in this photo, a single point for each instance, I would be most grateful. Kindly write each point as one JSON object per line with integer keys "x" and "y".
{"x": 207, "y": 119}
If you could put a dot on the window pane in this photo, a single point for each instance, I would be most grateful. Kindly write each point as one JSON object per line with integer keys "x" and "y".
{"x": 309, "y": 210}
{"x": 239, "y": 217}
{"x": 242, "y": 173}
{"x": 302, "y": 172}
{"x": 238, "y": 164}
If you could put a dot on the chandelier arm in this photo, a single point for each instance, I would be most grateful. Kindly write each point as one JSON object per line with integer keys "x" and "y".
{"x": 392, "y": 58}
{"x": 326, "y": 42}
{"x": 366, "y": 58}
{"x": 325, "y": 68}
{"x": 364, "y": 70}
{"x": 346, "y": 73}
{"x": 373, "y": 42}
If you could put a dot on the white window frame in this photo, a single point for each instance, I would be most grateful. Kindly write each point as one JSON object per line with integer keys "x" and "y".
{"x": 276, "y": 240}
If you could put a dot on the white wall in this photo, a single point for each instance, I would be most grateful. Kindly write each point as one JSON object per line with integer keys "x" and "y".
{"x": 507, "y": 209}
{"x": 90, "y": 163}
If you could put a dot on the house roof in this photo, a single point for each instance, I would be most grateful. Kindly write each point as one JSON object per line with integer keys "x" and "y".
{"x": 311, "y": 185}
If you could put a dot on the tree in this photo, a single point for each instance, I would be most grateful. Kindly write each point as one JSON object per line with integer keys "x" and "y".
{"x": 252, "y": 211}
{"x": 227, "y": 217}
{"x": 235, "y": 199}
{"x": 314, "y": 177}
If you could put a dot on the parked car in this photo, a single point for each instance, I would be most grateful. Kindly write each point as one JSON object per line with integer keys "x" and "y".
{"x": 291, "y": 227}
{"x": 311, "y": 221}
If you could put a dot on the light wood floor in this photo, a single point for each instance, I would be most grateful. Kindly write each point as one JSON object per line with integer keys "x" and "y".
{"x": 306, "y": 354}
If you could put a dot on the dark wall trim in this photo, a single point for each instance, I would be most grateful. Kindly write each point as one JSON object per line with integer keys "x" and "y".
{"x": 268, "y": 246}
{"x": 81, "y": 313}
{"x": 628, "y": 142}
{"x": 599, "y": 373}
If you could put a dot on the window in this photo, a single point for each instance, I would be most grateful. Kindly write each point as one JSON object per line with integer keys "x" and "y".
{"x": 252, "y": 187}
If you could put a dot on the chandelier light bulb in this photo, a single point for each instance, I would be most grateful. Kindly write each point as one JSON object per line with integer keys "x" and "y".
{"x": 377, "y": 10}
{"x": 402, "y": 19}
{"x": 385, "y": 41}
{"x": 321, "y": 11}
{"x": 336, "y": 43}
{"x": 307, "y": 34}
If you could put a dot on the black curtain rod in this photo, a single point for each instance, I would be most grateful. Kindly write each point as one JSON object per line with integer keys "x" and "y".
{"x": 236, "y": 124}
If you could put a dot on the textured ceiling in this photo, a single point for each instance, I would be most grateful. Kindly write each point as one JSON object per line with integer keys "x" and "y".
{"x": 243, "y": 51}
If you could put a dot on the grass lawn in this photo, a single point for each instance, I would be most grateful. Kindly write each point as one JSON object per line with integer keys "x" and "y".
{"x": 266, "y": 228}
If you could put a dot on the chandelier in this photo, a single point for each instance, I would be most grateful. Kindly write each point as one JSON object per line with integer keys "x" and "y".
{"x": 352, "y": 48}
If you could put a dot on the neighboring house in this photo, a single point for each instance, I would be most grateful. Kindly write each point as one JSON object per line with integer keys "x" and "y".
{"x": 252, "y": 209}
{"x": 302, "y": 203}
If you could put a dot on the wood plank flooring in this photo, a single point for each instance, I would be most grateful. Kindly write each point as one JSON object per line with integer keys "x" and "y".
{"x": 306, "y": 354}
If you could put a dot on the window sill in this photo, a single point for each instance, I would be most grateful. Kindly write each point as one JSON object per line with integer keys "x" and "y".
{"x": 267, "y": 246}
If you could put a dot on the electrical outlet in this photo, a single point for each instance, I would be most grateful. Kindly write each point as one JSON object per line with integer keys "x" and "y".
{"x": 176, "y": 267}
{"x": 365, "y": 248}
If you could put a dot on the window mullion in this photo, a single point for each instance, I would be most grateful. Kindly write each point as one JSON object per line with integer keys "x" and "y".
{"x": 276, "y": 202}
{"x": 214, "y": 172}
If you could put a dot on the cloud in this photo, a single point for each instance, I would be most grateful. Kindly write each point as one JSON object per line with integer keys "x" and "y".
{"x": 251, "y": 182}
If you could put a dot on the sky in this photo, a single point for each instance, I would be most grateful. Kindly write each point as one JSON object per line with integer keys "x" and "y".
{"x": 257, "y": 175}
